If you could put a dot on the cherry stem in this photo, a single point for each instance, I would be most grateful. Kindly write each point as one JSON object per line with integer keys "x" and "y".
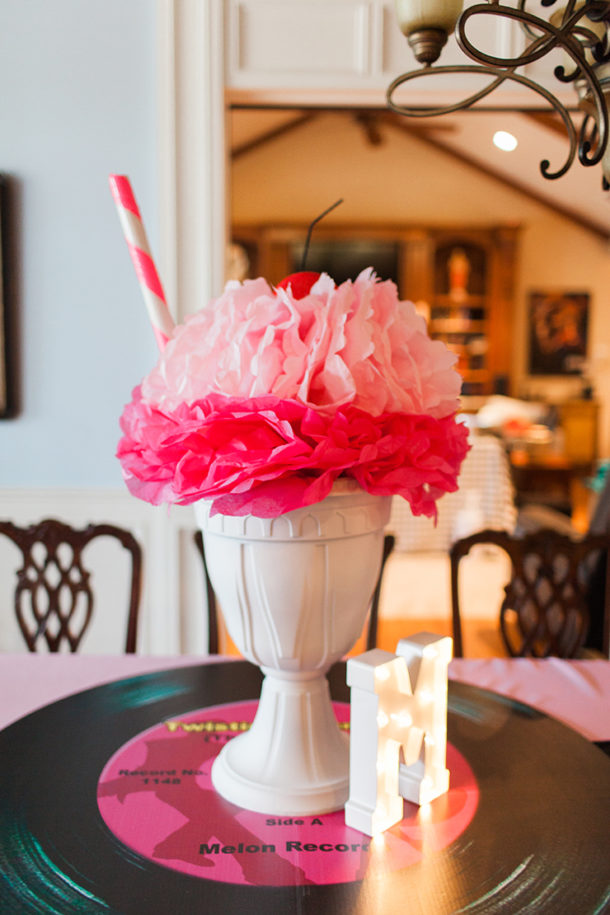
{"x": 310, "y": 230}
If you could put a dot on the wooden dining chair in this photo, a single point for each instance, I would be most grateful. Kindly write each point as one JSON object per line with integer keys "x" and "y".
{"x": 532, "y": 517}
{"x": 54, "y": 597}
{"x": 545, "y": 610}
{"x": 213, "y": 624}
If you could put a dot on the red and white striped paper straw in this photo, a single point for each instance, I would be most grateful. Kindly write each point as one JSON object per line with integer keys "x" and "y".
{"x": 135, "y": 236}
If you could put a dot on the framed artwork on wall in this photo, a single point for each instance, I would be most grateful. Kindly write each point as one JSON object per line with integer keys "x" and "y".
{"x": 3, "y": 305}
{"x": 558, "y": 331}
{"x": 7, "y": 405}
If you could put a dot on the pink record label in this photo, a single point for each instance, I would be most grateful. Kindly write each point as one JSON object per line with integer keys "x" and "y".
{"x": 156, "y": 795}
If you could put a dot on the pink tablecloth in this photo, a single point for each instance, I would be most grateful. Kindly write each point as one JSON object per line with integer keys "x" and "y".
{"x": 29, "y": 681}
{"x": 575, "y": 692}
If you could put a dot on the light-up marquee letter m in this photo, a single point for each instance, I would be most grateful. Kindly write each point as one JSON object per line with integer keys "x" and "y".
{"x": 398, "y": 702}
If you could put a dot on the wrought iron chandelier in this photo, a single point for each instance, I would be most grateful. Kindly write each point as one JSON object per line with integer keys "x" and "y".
{"x": 580, "y": 28}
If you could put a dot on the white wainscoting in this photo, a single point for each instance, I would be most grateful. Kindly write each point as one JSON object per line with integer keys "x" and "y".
{"x": 173, "y": 608}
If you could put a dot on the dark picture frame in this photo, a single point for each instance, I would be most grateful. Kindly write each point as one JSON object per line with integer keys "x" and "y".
{"x": 558, "y": 325}
{"x": 7, "y": 404}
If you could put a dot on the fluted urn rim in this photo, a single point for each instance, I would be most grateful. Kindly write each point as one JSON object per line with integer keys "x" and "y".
{"x": 348, "y": 511}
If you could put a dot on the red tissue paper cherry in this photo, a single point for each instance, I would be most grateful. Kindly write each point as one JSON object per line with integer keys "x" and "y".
{"x": 300, "y": 283}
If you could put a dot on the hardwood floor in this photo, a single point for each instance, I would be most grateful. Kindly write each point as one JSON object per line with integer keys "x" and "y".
{"x": 416, "y": 597}
{"x": 481, "y": 639}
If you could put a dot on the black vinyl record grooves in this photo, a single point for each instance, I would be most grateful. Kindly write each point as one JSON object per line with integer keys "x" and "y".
{"x": 538, "y": 843}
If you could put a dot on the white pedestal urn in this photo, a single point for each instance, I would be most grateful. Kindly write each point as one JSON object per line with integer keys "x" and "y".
{"x": 294, "y": 591}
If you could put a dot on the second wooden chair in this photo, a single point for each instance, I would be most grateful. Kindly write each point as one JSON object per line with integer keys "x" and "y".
{"x": 545, "y": 610}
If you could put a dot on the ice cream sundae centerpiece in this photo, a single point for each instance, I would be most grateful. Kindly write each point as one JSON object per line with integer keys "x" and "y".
{"x": 289, "y": 416}
{"x": 265, "y": 397}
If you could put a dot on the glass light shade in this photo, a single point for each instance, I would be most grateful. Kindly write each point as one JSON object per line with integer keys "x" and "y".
{"x": 414, "y": 15}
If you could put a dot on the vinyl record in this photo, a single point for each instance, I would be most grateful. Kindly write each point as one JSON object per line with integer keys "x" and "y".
{"x": 537, "y": 841}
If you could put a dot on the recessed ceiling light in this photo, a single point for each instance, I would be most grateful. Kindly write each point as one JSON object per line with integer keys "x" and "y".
{"x": 504, "y": 140}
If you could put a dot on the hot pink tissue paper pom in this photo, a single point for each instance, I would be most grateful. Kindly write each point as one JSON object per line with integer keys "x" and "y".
{"x": 265, "y": 456}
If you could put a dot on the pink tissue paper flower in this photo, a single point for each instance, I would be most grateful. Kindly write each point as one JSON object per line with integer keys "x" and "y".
{"x": 261, "y": 400}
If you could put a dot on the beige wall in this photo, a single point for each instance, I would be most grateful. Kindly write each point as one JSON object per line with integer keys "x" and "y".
{"x": 405, "y": 180}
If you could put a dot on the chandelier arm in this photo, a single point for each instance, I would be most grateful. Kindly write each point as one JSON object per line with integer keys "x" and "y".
{"x": 551, "y": 38}
{"x": 420, "y": 112}
{"x": 548, "y": 3}
{"x": 539, "y": 47}
{"x": 525, "y": 25}
{"x": 499, "y": 76}
{"x": 583, "y": 37}
{"x": 598, "y": 136}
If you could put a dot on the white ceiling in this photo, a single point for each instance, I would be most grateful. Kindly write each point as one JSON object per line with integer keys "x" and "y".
{"x": 468, "y": 135}
{"x": 578, "y": 192}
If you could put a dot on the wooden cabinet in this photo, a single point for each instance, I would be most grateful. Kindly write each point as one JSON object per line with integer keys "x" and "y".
{"x": 578, "y": 420}
{"x": 462, "y": 279}
{"x": 554, "y": 475}
{"x": 471, "y": 304}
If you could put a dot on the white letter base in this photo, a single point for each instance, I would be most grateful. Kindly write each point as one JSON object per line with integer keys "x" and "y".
{"x": 398, "y": 703}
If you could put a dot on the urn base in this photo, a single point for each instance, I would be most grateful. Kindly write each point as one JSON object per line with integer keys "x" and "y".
{"x": 294, "y": 760}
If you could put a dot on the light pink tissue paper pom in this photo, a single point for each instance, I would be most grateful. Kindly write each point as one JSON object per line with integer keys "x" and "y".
{"x": 355, "y": 343}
